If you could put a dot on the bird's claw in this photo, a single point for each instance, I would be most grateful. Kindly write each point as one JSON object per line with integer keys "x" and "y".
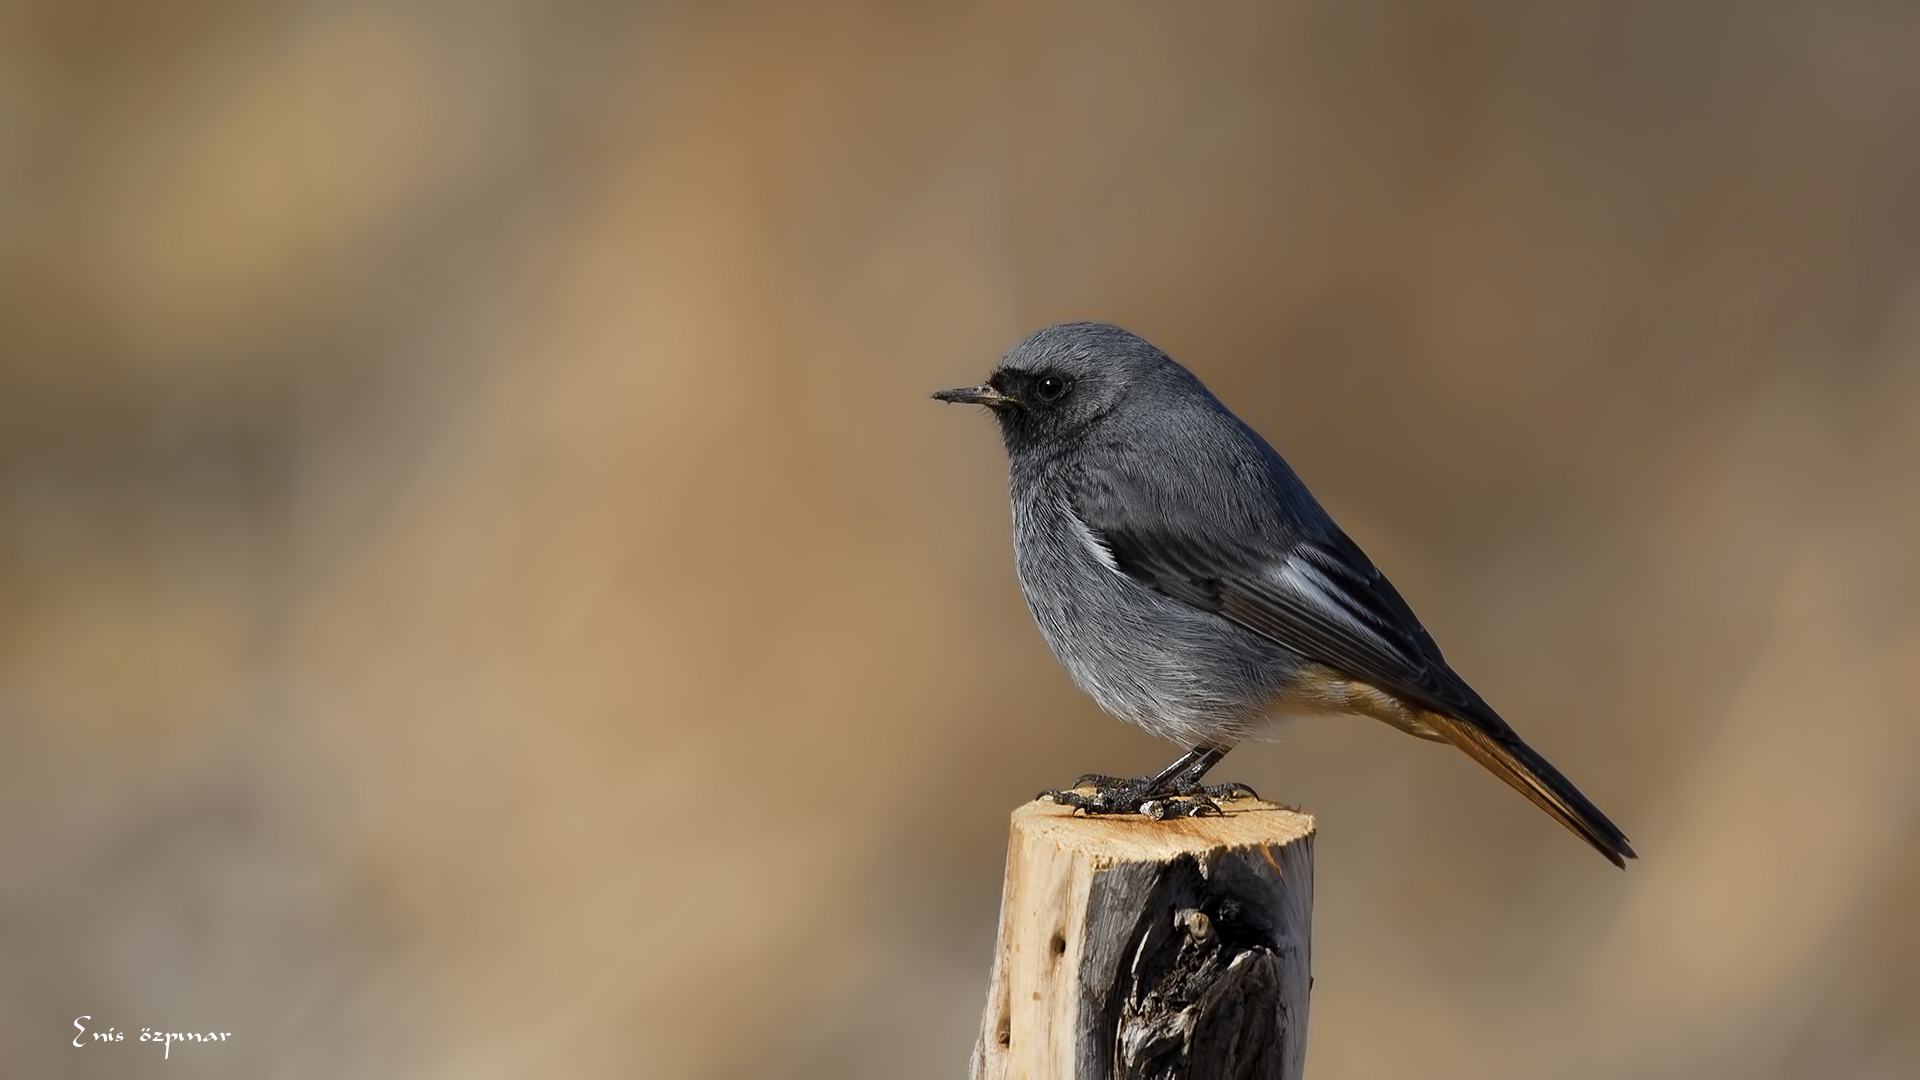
{"x": 1234, "y": 790}
{"x": 1113, "y": 795}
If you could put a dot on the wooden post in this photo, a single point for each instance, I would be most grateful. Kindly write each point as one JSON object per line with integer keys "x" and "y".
{"x": 1133, "y": 948}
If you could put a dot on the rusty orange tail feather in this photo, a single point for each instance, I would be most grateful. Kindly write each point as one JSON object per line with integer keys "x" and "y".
{"x": 1531, "y": 775}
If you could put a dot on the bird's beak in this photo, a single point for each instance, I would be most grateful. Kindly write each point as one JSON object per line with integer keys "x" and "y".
{"x": 984, "y": 394}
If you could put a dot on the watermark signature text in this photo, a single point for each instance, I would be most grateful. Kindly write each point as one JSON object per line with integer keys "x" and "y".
{"x": 165, "y": 1038}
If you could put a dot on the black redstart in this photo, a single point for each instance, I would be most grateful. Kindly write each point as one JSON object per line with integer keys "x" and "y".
{"x": 1192, "y": 585}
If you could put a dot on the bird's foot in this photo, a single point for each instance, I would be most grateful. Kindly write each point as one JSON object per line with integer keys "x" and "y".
{"x": 1142, "y": 795}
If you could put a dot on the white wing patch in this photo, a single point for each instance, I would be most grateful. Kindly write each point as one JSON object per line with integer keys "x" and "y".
{"x": 1309, "y": 581}
{"x": 1093, "y": 543}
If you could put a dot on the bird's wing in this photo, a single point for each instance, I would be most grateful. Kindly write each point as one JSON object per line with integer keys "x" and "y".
{"x": 1319, "y": 596}
{"x": 1270, "y": 560}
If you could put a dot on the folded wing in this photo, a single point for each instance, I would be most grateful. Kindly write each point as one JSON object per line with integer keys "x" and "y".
{"x": 1307, "y": 587}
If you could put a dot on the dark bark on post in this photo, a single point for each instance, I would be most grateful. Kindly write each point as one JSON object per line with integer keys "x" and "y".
{"x": 1133, "y": 949}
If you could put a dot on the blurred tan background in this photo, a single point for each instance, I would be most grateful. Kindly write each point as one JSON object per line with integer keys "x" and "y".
{"x": 483, "y": 592}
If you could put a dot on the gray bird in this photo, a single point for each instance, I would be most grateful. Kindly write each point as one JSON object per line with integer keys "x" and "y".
{"x": 1191, "y": 584}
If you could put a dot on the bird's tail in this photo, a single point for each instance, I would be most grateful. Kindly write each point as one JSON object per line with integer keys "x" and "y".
{"x": 1527, "y": 772}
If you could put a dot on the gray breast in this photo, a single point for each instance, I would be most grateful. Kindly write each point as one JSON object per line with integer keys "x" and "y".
{"x": 1181, "y": 673}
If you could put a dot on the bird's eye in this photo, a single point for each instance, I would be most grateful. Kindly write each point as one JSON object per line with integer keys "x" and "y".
{"x": 1050, "y": 388}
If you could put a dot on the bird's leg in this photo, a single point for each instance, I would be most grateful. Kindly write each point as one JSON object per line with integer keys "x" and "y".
{"x": 1174, "y": 791}
{"x": 1166, "y": 780}
{"x": 1186, "y": 781}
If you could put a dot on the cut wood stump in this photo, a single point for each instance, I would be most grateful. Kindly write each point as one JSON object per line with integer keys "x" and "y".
{"x": 1132, "y": 948}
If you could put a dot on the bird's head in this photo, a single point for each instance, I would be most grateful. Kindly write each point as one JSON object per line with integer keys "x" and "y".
{"x": 1052, "y": 386}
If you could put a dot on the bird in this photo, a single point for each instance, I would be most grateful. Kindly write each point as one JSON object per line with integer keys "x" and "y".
{"x": 1190, "y": 584}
